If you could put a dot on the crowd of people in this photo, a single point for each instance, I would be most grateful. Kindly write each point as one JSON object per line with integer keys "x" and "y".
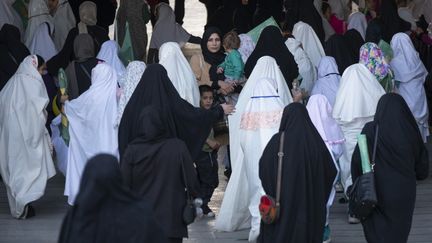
{"x": 131, "y": 122}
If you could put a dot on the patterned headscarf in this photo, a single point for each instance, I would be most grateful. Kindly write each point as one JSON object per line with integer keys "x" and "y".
{"x": 373, "y": 58}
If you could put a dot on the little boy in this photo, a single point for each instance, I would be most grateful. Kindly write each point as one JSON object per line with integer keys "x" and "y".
{"x": 207, "y": 164}
{"x": 233, "y": 65}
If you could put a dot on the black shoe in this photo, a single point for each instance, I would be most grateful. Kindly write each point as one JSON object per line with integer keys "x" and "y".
{"x": 227, "y": 173}
{"x": 30, "y": 212}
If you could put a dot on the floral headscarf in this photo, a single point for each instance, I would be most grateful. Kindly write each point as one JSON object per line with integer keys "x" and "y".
{"x": 373, "y": 58}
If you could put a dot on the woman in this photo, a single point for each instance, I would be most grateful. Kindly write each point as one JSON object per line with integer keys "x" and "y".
{"x": 357, "y": 21}
{"x": 79, "y": 71}
{"x": 154, "y": 162}
{"x": 64, "y": 21}
{"x": 130, "y": 80}
{"x": 12, "y": 52}
{"x": 266, "y": 9}
{"x": 183, "y": 121}
{"x": 391, "y": 21}
{"x": 401, "y": 158}
{"x": 204, "y": 65}
{"x": 92, "y": 119}
{"x": 311, "y": 44}
{"x": 374, "y": 33}
{"x": 354, "y": 41}
{"x": 179, "y": 72}
{"x": 356, "y": 99}
{"x": 328, "y": 79}
{"x": 271, "y": 43}
{"x": 38, "y": 13}
{"x": 410, "y": 74}
{"x": 307, "y": 176}
{"x": 26, "y": 162}
{"x": 238, "y": 196}
{"x": 106, "y": 211}
{"x": 42, "y": 44}
{"x": 338, "y": 48}
{"x": 8, "y": 15}
{"x": 87, "y": 25}
{"x": 373, "y": 58}
{"x": 109, "y": 54}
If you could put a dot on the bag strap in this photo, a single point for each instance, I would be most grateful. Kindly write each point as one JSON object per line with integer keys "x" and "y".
{"x": 374, "y": 148}
{"x": 185, "y": 182}
{"x": 13, "y": 58}
{"x": 279, "y": 175}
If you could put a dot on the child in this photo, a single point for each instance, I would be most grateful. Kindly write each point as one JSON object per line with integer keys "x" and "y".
{"x": 233, "y": 65}
{"x": 338, "y": 25}
{"x": 207, "y": 164}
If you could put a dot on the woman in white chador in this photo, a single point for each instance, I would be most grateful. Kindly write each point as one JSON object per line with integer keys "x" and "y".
{"x": 328, "y": 79}
{"x": 8, "y": 15}
{"x": 38, "y": 14}
{"x": 42, "y": 43}
{"x": 356, "y": 102}
{"x": 109, "y": 53}
{"x": 310, "y": 42}
{"x": 179, "y": 72}
{"x": 411, "y": 74}
{"x": 241, "y": 194}
{"x": 64, "y": 21}
{"x": 92, "y": 125}
{"x": 357, "y": 21}
{"x": 306, "y": 69}
{"x": 25, "y": 157}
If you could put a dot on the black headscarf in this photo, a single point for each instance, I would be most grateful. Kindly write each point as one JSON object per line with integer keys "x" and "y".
{"x": 214, "y": 59}
{"x": 152, "y": 164}
{"x": 12, "y": 52}
{"x": 401, "y": 158}
{"x": 354, "y": 41}
{"x": 374, "y": 32}
{"x": 266, "y": 9}
{"x": 307, "y": 177}
{"x": 223, "y": 17}
{"x": 182, "y": 120}
{"x": 337, "y": 47}
{"x": 271, "y": 43}
{"x": 105, "y": 211}
{"x": 392, "y": 23}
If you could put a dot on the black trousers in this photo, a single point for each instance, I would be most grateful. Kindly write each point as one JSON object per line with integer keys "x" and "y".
{"x": 175, "y": 240}
{"x": 207, "y": 170}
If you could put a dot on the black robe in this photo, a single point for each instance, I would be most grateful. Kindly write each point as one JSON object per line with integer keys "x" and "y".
{"x": 105, "y": 211}
{"x": 391, "y": 21}
{"x": 12, "y": 52}
{"x": 182, "y": 120}
{"x": 337, "y": 47}
{"x": 401, "y": 158}
{"x": 266, "y": 9}
{"x": 271, "y": 43}
{"x": 308, "y": 173}
{"x": 354, "y": 41}
{"x": 152, "y": 167}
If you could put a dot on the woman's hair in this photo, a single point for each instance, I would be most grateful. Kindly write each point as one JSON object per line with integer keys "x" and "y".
{"x": 205, "y": 88}
{"x": 40, "y": 60}
{"x": 324, "y": 7}
{"x": 231, "y": 40}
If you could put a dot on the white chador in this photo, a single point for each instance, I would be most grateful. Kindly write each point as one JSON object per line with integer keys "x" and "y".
{"x": 92, "y": 125}
{"x": 356, "y": 102}
{"x": 357, "y": 21}
{"x": 64, "y": 21}
{"x": 8, "y": 15}
{"x": 109, "y": 54}
{"x": 38, "y": 14}
{"x": 310, "y": 42}
{"x": 242, "y": 194}
{"x": 411, "y": 73}
{"x": 42, "y": 43}
{"x": 179, "y": 72}
{"x": 25, "y": 157}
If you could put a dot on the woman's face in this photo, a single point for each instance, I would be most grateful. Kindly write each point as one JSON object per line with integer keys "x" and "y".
{"x": 214, "y": 43}
{"x": 42, "y": 69}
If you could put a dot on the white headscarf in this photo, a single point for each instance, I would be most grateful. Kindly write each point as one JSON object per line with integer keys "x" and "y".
{"x": 410, "y": 71}
{"x": 23, "y": 137}
{"x": 306, "y": 69}
{"x": 8, "y": 15}
{"x": 92, "y": 125}
{"x": 166, "y": 28}
{"x": 358, "y": 22}
{"x": 310, "y": 41}
{"x": 358, "y": 94}
{"x": 42, "y": 44}
{"x": 266, "y": 67}
{"x": 64, "y": 21}
{"x": 109, "y": 54}
{"x": 339, "y": 8}
{"x": 130, "y": 80}
{"x": 247, "y": 45}
{"x": 328, "y": 79}
{"x": 179, "y": 72}
{"x": 38, "y": 13}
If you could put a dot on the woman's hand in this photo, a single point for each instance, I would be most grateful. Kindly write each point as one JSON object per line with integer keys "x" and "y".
{"x": 64, "y": 98}
{"x": 228, "y": 109}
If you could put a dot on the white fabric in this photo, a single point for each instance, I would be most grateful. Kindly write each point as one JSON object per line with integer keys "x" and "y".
{"x": 64, "y": 21}
{"x": 410, "y": 71}
{"x": 234, "y": 213}
{"x": 38, "y": 13}
{"x": 339, "y": 8}
{"x": 310, "y": 41}
{"x": 42, "y": 44}
{"x": 417, "y": 7}
{"x": 59, "y": 144}
{"x": 8, "y": 15}
{"x": 109, "y": 54}
{"x": 407, "y": 15}
{"x": 247, "y": 45}
{"x": 92, "y": 125}
{"x": 130, "y": 80}
{"x": 179, "y": 72}
{"x": 328, "y": 79}
{"x": 358, "y": 22}
{"x": 25, "y": 158}
{"x": 356, "y": 102}
{"x": 306, "y": 69}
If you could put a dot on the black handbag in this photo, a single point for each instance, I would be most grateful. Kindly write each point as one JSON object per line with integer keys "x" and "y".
{"x": 362, "y": 195}
{"x": 189, "y": 210}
